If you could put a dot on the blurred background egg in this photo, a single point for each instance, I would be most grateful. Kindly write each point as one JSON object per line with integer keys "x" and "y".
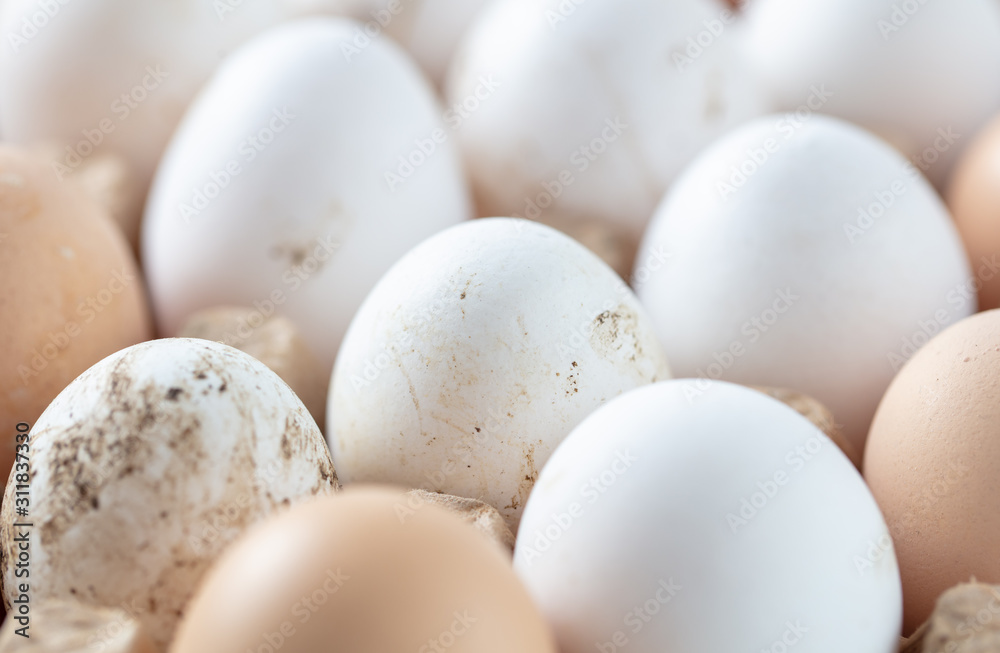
{"x": 585, "y": 112}
{"x": 70, "y": 291}
{"x": 429, "y": 29}
{"x": 920, "y": 74}
{"x": 359, "y": 573}
{"x": 114, "y": 77}
{"x": 974, "y": 200}
{"x": 299, "y": 176}
{"x": 933, "y": 463}
{"x": 806, "y": 255}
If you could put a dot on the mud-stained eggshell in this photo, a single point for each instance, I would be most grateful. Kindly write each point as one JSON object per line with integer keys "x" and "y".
{"x": 274, "y": 341}
{"x": 476, "y": 354}
{"x": 150, "y": 463}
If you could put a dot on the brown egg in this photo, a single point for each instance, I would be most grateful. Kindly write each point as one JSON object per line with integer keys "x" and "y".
{"x": 933, "y": 463}
{"x": 70, "y": 291}
{"x": 974, "y": 200}
{"x": 363, "y": 573}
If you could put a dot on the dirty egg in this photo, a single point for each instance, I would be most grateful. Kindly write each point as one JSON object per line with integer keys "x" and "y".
{"x": 476, "y": 354}
{"x": 146, "y": 466}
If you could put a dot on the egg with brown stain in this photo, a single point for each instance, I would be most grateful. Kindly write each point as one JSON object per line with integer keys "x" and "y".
{"x": 70, "y": 291}
{"x": 363, "y": 572}
{"x": 933, "y": 463}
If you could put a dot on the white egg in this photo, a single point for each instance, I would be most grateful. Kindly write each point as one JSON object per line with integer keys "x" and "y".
{"x": 920, "y": 74}
{"x": 113, "y": 76}
{"x": 707, "y": 518}
{"x": 147, "y": 466}
{"x": 301, "y": 173}
{"x": 476, "y": 354}
{"x": 806, "y": 255}
{"x": 429, "y": 29}
{"x": 587, "y": 110}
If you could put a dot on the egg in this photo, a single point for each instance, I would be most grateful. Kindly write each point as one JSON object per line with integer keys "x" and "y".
{"x": 274, "y": 341}
{"x": 932, "y": 460}
{"x": 70, "y": 291}
{"x": 476, "y": 354}
{"x": 688, "y": 517}
{"x": 146, "y": 466}
{"x": 294, "y": 200}
{"x": 113, "y": 77}
{"x": 358, "y": 573}
{"x": 586, "y": 111}
{"x": 429, "y": 29}
{"x": 974, "y": 200}
{"x": 919, "y": 74}
{"x": 805, "y": 255}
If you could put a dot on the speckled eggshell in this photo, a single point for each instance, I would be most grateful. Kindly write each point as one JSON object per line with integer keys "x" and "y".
{"x": 932, "y": 463}
{"x": 148, "y": 465}
{"x": 70, "y": 290}
{"x": 476, "y": 354}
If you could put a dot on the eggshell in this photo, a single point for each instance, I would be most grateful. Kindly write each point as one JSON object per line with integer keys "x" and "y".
{"x": 719, "y": 521}
{"x": 144, "y": 469}
{"x": 273, "y": 341}
{"x": 361, "y": 573}
{"x": 932, "y": 461}
{"x": 476, "y": 354}
{"x": 113, "y": 76}
{"x": 70, "y": 291}
{"x": 920, "y": 74}
{"x": 806, "y": 257}
{"x": 306, "y": 211}
{"x": 588, "y": 110}
{"x": 429, "y": 29}
{"x": 974, "y": 200}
